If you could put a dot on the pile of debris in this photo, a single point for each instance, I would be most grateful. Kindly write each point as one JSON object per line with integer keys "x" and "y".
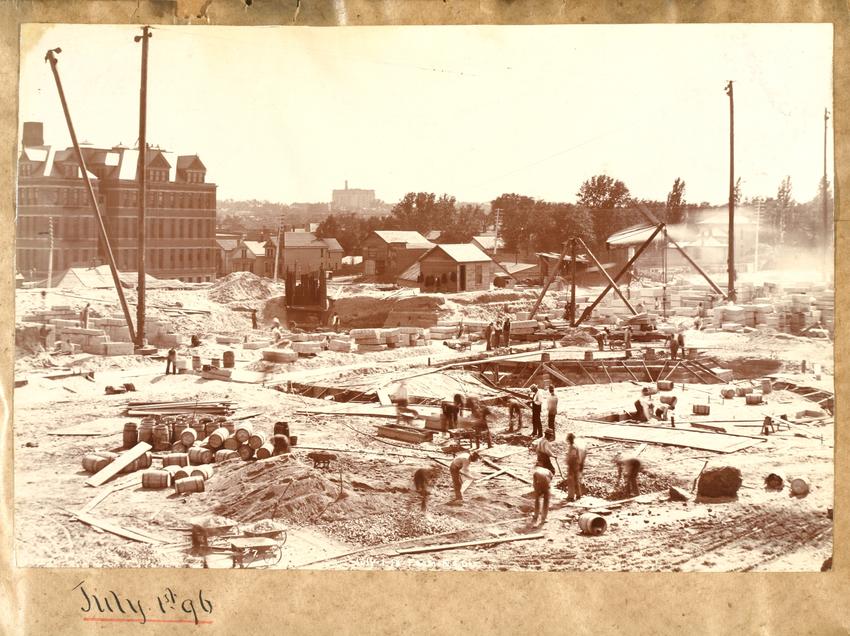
{"x": 240, "y": 286}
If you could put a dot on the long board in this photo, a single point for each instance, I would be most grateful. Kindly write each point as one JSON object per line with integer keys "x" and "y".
{"x": 717, "y": 442}
{"x": 118, "y": 464}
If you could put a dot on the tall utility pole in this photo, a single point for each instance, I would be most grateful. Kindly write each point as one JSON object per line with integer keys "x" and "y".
{"x": 104, "y": 237}
{"x": 50, "y": 252}
{"x": 759, "y": 209}
{"x": 141, "y": 175}
{"x": 498, "y": 212}
{"x": 278, "y": 246}
{"x": 825, "y": 210}
{"x": 731, "y": 258}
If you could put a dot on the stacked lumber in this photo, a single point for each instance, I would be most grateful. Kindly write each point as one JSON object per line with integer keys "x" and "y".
{"x": 279, "y": 356}
{"x": 139, "y": 409}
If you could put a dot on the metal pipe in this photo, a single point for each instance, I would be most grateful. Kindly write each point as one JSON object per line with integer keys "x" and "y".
{"x": 51, "y": 57}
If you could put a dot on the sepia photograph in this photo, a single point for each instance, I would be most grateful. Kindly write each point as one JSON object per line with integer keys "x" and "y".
{"x": 433, "y": 298}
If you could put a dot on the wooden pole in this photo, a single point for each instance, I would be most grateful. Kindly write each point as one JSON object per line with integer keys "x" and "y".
{"x": 141, "y": 175}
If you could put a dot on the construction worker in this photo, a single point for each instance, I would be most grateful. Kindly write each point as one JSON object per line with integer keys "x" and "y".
{"x": 460, "y": 468}
{"x": 488, "y": 336}
{"x": 506, "y": 331}
{"x": 335, "y": 322}
{"x": 629, "y": 467}
{"x": 600, "y": 339}
{"x": 542, "y": 480}
{"x": 254, "y": 323}
{"x": 171, "y": 361}
{"x": 482, "y": 414}
{"x": 680, "y": 340}
{"x": 514, "y": 412}
{"x": 645, "y": 409}
{"x": 536, "y": 411}
{"x": 42, "y": 335}
{"x": 627, "y": 341}
{"x": 497, "y": 334}
{"x": 542, "y": 446}
{"x": 576, "y": 454}
{"x": 84, "y": 316}
{"x": 422, "y": 480}
{"x": 401, "y": 401}
{"x": 674, "y": 346}
{"x": 551, "y": 408}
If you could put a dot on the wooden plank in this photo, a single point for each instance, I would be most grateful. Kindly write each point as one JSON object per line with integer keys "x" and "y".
{"x": 556, "y": 373}
{"x": 384, "y": 397}
{"x": 586, "y": 372}
{"x": 716, "y": 442}
{"x": 469, "y": 544}
{"x": 708, "y": 427}
{"x": 531, "y": 377}
{"x": 626, "y": 367}
{"x": 663, "y": 368}
{"x": 134, "y": 481}
{"x": 506, "y": 470}
{"x": 646, "y": 368}
{"x": 118, "y": 464}
{"x": 117, "y": 530}
{"x": 672, "y": 371}
{"x": 605, "y": 369}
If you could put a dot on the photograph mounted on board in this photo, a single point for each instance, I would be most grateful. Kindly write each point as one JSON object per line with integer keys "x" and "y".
{"x": 425, "y": 298}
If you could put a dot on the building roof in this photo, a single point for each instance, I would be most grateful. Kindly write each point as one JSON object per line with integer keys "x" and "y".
{"x": 554, "y": 256}
{"x": 100, "y": 277}
{"x": 333, "y": 245}
{"x": 462, "y": 252}
{"x": 412, "y": 272}
{"x": 433, "y": 235}
{"x": 517, "y": 268}
{"x": 227, "y": 244}
{"x": 411, "y": 239}
{"x": 633, "y": 235}
{"x": 257, "y": 248}
{"x": 184, "y": 162}
{"x": 487, "y": 242}
{"x": 300, "y": 239}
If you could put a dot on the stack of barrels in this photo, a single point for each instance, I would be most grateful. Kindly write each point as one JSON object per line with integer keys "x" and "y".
{"x": 95, "y": 462}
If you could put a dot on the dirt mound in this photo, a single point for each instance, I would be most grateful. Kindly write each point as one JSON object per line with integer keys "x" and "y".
{"x": 240, "y": 286}
{"x": 279, "y": 488}
{"x": 401, "y": 522}
{"x": 577, "y": 337}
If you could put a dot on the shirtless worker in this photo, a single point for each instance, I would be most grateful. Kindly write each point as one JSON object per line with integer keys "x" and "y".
{"x": 542, "y": 479}
{"x": 542, "y": 446}
{"x": 514, "y": 412}
{"x": 460, "y": 467}
{"x": 422, "y": 480}
{"x": 551, "y": 408}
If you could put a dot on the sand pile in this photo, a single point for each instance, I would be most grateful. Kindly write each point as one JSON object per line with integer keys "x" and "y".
{"x": 577, "y": 337}
{"x": 401, "y": 522}
{"x": 368, "y": 311}
{"x": 240, "y": 286}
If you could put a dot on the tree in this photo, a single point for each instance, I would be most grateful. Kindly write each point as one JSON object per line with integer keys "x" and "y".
{"x": 515, "y": 220}
{"x": 608, "y": 200}
{"x": 784, "y": 205}
{"x": 467, "y": 221}
{"x": 675, "y": 208}
{"x": 423, "y": 211}
{"x": 737, "y": 191}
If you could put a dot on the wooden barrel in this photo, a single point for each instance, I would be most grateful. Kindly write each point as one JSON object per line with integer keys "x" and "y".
{"x": 245, "y": 452}
{"x": 217, "y": 437}
{"x": 93, "y": 463}
{"x": 293, "y": 440}
{"x": 205, "y": 471}
{"x": 146, "y": 430}
{"x": 188, "y": 436}
{"x": 650, "y": 354}
{"x": 141, "y": 463}
{"x": 210, "y": 428}
{"x": 230, "y": 443}
{"x": 225, "y": 454}
{"x": 741, "y": 391}
{"x": 766, "y": 386}
{"x": 215, "y": 363}
{"x": 179, "y": 472}
{"x": 727, "y": 394}
{"x": 256, "y": 440}
{"x": 753, "y": 398}
{"x": 799, "y": 487}
{"x": 175, "y": 459}
{"x": 178, "y": 447}
{"x": 131, "y": 435}
{"x": 592, "y": 524}
{"x": 702, "y": 409}
{"x": 544, "y": 357}
{"x": 588, "y": 355}
{"x": 177, "y": 429}
{"x": 189, "y": 484}
{"x": 156, "y": 479}
{"x": 173, "y": 469}
{"x": 664, "y": 385}
{"x": 199, "y": 455}
{"x": 265, "y": 451}
{"x": 281, "y": 428}
{"x": 229, "y": 359}
{"x": 669, "y": 400}
{"x": 280, "y": 444}
{"x": 161, "y": 438}
{"x": 243, "y": 432}
{"x": 196, "y": 363}
{"x": 651, "y": 390}
{"x": 200, "y": 428}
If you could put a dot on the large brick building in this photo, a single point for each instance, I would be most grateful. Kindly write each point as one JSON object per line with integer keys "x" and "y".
{"x": 180, "y": 218}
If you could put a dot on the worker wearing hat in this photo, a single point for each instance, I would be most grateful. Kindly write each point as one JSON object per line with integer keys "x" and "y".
{"x": 537, "y": 398}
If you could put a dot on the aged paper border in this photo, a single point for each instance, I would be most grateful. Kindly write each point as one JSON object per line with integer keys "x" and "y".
{"x": 41, "y": 601}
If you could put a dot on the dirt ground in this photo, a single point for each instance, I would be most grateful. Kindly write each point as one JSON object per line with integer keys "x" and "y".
{"x": 359, "y": 512}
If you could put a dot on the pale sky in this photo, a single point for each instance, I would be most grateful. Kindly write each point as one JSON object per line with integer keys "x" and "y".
{"x": 289, "y": 113}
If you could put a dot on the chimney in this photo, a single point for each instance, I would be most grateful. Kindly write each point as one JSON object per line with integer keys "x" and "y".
{"x": 33, "y": 133}
{"x": 346, "y": 184}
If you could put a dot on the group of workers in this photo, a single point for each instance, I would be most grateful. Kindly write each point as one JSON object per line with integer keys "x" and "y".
{"x": 498, "y": 333}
